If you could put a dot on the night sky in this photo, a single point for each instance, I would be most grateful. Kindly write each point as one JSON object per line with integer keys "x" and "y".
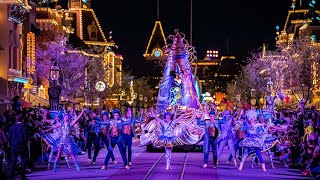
{"x": 247, "y": 24}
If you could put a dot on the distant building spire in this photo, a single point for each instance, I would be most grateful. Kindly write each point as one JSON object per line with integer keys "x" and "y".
{"x": 227, "y": 46}
{"x": 264, "y": 50}
{"x": 158, "y": 9}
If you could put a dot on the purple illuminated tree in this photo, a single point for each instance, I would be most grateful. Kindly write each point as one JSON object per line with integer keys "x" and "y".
{"x": 70, "y": 61}
{"x": 293, "y": 68}
{"x": 303, "y": 73}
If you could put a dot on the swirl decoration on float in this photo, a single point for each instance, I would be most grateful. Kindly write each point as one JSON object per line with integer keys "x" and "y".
{"x": 190, "y": 50}
{"x": 177, "y": 96}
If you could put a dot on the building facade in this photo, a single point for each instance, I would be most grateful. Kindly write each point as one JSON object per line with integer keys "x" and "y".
{"x": 78, "y": 21}
{"x": 303, "y": 20}
{"x": 16, "y": 19}
{"x": 214, "y": 72}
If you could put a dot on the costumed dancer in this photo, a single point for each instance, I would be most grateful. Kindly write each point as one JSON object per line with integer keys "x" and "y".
{"x": 50, "y": 139}
{"x": 115, "y": 138}
{"x": 92, "y": 132}
{"x": 226, "y": 136}
{"x": 210, "y": 137}
{"x": 239, "y": 129}
{"x": 103, "y": 134}
{"x": 253, "y": 139}
{"x": 128, "y": 132}
{"x": 269, "y": 139}
{"x": 65, "y": 143}
{"x": 167, "y": 138}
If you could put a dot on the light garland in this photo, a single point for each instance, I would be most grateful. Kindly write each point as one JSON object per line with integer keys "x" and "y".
{"x": 52, "y": 21}
{"x": 99, "y": 43}
{"x": 157, "y": 23}
{"x": 227, "y": 57}
{"x": 206, "y": 63}
{"x": 84, "y": 53}
{"x": 68, "y": 29}
{"x": 94, "y": 16}
{"x": 110, "y": 71}
{"x": 31, "y": 48}
{"x": 301, "y": 21}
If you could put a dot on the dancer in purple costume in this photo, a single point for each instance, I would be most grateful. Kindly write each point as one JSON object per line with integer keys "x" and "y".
{"x": 65, "y": 143}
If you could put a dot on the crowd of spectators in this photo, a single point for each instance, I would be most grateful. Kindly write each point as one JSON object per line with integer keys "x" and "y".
{"x": 299, "y": 141}
{"x": 37, "y": 121}
{"x": 298, "y": 147}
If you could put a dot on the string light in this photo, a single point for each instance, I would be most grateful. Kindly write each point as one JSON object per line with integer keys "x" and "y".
{"x": 52, "y": 21}
{"x": 31, "y": 48}
{"x": 157, "y": 23}
{"x": 206, "y": 63}
{"x": 95, "y": 18}
{"x": 84, "y": 53}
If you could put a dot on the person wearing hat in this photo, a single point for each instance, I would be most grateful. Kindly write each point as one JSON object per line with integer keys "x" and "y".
{"x": 226, "y": 136}
{"x": 128, "y": 132}
{"x": 269, "y": 140}
{"x": 167, "y": 138}
{"x": 253, "y": 139}
{"x": 51, "y": 137}
{"x": 65, "y": 143}
{"x": 115, "y": 133}
{"x": 240, "y": 129}
{"x": 210, "y": 137}
{"x": 103, "y": 134}
{"x": 92, "y": 131}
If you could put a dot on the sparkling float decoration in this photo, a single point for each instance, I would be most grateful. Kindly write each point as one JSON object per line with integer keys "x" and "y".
{"x": 177, "y": 86}
{"x": 177, "y": 92}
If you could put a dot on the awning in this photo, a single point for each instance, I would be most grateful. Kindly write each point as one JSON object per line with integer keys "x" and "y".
{"x": 16, "y": 76}
{"x": 4, "y": 99}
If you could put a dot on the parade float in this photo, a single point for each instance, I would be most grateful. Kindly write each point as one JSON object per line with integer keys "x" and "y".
{"x": 178, "y": 93}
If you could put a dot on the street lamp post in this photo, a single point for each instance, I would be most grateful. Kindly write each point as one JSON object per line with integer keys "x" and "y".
{"x": 100, "y": 86}
{"x": 55, "y": 90}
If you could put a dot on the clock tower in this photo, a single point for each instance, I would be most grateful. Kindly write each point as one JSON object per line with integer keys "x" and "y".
{"x": 154, "y": 56}
{"x": 155, "y": 44}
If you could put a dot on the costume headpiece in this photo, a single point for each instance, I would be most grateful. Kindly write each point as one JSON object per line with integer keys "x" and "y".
{"x": 89, "y": 112}
{"x": 116, "y": 111}
{"x": 105, "y": 113}
{"x": 212, "y": 112}
{"x": 251, "y": 114}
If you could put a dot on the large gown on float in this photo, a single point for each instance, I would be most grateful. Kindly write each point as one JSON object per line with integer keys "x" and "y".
{"x": 186, "y": 131}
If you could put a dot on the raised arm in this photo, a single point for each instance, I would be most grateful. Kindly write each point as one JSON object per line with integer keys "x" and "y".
{"x": 77, "y": 118}
{"x": 53, "y": 128}
{"x": 258, "y": 124}
{"x": 200, "y": 122}
{"x": 102, "y": 122}
{"x": 153, "y": 114}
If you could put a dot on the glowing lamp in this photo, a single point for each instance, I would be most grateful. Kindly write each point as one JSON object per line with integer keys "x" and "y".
{"x": 54, "y": 72}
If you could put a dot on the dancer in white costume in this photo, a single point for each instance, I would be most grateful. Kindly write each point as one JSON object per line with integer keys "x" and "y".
{"x": 167, "y": 138}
